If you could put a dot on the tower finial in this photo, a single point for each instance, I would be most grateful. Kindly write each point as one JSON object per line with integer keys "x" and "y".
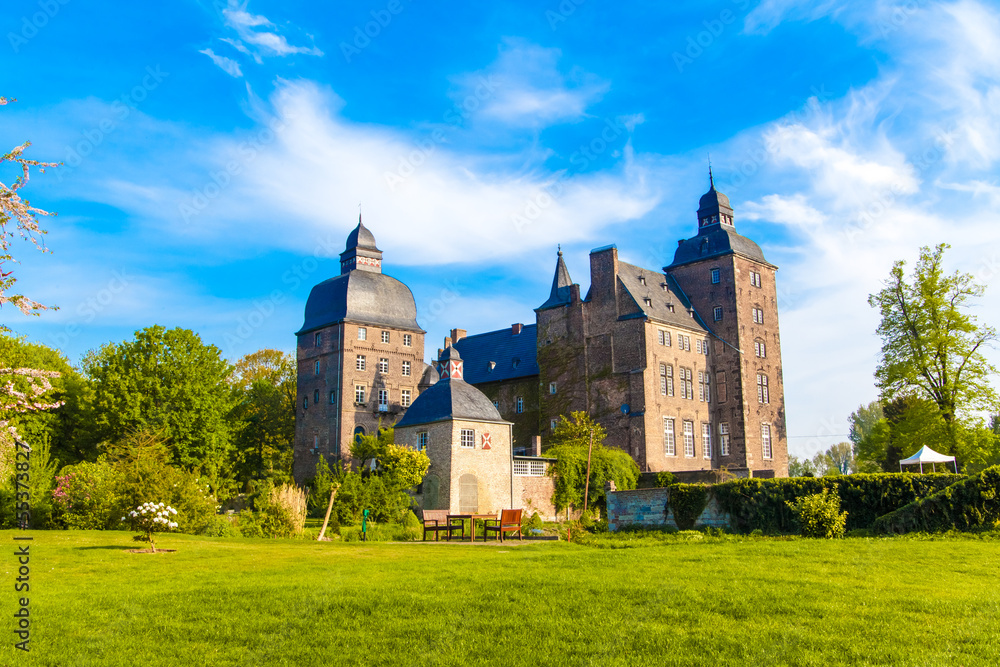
{"x": 359, "y": 213}
{"x": 559, "y": 248}
{"x": 711, "y": 179}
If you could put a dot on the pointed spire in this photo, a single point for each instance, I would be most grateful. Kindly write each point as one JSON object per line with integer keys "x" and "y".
{"x": 711, "y": 179}
{"x": 561, "y": 282}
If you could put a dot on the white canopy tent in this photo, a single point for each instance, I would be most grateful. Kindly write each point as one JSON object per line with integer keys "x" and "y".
{"x": 927, "y": 455}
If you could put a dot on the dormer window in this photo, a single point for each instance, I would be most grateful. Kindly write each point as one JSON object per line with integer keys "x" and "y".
{"x": 642, "y": 280}
{"x": 670, "y": 307}
{"x": 648, "y": 302}
{"x": 492, "y": 365}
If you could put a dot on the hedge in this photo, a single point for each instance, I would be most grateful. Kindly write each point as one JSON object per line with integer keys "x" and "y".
{"x": 687, "y": 501}
{"x": 968, "y": 504}
{"x": 761, "y": 503}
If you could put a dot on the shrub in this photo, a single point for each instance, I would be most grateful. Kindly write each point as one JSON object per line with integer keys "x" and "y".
{"x": 819, "y": 514}
{"x": 761, "y": 503}
{"x": 967, "y": 505}
{"x": 281, "y": 512}
{"x": 89, "y": 496}
{"x": 665, "y": 478}
{"x": 221, "y": 525}
{"x": 687, "y": 501}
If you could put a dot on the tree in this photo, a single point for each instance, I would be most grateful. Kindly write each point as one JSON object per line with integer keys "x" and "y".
{"x": 18, "y": 218}
{"x": 931, "y": 347}
{"x": 569, "y": 443}
{"x": 869, "y": 435}
{"x": 837, "y": 460}
{"x": 168, "y": 382}
{"x": 801, "y": 467}
{"x": 263, "y": 419}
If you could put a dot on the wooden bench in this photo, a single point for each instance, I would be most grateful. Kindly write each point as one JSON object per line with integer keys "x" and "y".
{"x": 509, "y": 522}
{"x": 436, "y": 521}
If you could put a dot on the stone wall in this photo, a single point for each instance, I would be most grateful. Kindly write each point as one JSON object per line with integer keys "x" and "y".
{"x": 646, "y": 507}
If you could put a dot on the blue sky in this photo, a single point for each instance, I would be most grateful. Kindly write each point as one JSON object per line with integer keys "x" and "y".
{"x": 215, "y": 155}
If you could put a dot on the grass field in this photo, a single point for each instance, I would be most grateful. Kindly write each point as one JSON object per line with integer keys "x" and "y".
{"x": 706, "y": 602}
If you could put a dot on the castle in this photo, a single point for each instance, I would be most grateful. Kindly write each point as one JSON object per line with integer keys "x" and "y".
{"x": 681, "y": 366}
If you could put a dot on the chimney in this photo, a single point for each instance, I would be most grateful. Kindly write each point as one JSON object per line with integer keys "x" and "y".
{"x": 574, "y": 293}
{"x": 536, "y": 446}
{"x": 458, "y": 334}
{"x": 516, "y": 328}
{"x": 447, "y": 342}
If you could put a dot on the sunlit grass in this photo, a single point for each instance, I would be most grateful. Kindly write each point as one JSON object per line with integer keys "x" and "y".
{"x": 277, "y": 602}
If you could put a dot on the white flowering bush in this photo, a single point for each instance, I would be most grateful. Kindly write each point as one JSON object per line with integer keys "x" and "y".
{"x": 151, "y": 518}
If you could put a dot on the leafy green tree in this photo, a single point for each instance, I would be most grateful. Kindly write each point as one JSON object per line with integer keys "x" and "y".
{"x": 569, "y": 443}
{"x": 801, "y": 467}
{"x": 168, "y": 382}
{"x": 263, "y": 419}
{"x": 837, "y": 460}
{"x": 66, "y": 427}
{"x": 931, "y": 347}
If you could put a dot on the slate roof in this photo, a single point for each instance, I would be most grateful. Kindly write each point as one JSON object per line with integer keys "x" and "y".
{"x": 450, "y": 398}
{"x": 716, "y": 241}
{"x": 365, "y": 297}
{"x": 502, "y": 348}
{"x": 561, "y": 283}
{"x": 361, "y": 237}
{"x": 660, "y": 291}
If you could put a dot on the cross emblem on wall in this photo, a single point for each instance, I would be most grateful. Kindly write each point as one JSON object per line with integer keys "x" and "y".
{"x": 487, "y": 441}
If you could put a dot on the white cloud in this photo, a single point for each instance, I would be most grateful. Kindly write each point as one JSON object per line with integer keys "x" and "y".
{"x": 227, "y": 65}
{"x": 767, "y": 15}
{"x": 259, "y": 31}
{"x": 524, "y": 87}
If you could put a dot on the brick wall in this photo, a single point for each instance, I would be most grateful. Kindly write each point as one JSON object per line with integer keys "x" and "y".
{"x": 646, "y": 507}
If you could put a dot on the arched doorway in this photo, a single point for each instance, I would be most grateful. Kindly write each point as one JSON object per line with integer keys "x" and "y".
{"x": 468, "y": 494}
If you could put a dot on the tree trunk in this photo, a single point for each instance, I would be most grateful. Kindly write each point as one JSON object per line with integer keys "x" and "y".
{"x": 329, "y": 507}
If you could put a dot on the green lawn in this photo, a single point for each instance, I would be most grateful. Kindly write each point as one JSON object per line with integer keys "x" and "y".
{"x": 287, "y": 602}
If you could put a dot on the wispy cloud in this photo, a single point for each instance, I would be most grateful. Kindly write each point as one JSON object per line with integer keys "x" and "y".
{"x": 227, "y": 65}
{"x": 258, "y": 31}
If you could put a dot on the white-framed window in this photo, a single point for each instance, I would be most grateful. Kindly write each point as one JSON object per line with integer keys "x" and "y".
{"x": 663, "y": 379}
{"x": 407, "y": 340}
{"x": 724, "y": 439}
{"x": 385, "y": 336}
{"x": 661, "y": 336}
{"x": 762, "y": 393}
{"x": 684, "y": 342}
{"x": 359, "y": 363}
{"x": 754, "y": 279}
{"x": 383, "y": 400}
{"x": 359, "y": 393}
{"x": 717, "y": 313}
{"x": 362, "y": 333}
{"x": 404, "y": 398}
{"x": 758, "y": 315}
{"x": 704, "y": 387}
{"x": 422, "y": 441}
{"x": 669, "y": 445}
{"x": 697, "y": 346}
{"x": 316, "y": 368}
{"x": 383, "y": 365}
{"x": 666, "y": 337}
{"x": 552, "y": 387}
{"x": 706, "y": 440}
{"x": 715, "y": 276}
{"x": 670, "y": 380}
{"x": 333, "y": 397}
{"x": 468, "y": 438}
{"x": 689, "y": 439}
{"x": 765, "y": 440}
{"x": 759, "y": 348}
{"x": 519, "y": 404}
{"x": 704, "y": 346}
{"x": 406, "y": 369}
{"x": 687, "y": 383}
{"x": 537, "y": 468}
{"x": 318, "y": 339}
{"x": 521, "y": 468}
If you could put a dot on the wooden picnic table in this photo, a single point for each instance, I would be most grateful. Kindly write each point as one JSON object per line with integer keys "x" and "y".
{"x": 472, "y": 518}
